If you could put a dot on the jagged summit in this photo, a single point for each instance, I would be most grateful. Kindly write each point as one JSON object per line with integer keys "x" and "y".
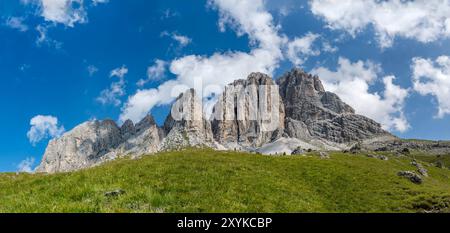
{"x": 256, "y": 78}
{"x": 302, "y": 78}
{"x": 253, "y": 114}
{"x": 186, "y": 125}
{"x": 313, "y": 112}
{"x": 300, "y": 90}
{"x": 96, "y": 141}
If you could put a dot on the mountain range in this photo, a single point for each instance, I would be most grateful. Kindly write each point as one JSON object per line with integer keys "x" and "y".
{"x": 256, "y": 114}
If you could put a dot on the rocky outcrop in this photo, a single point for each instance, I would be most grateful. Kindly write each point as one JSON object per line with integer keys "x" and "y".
{"x": 420, "y": 168}
{"x": 412, "y": 176}
{"x": 95, "y": 141}
{"x": 186, "y": 125}
{"x": 143, "y": 138}
{"x": 403, "y": 146}
{"x": 249, "y": 112}
{"x": 312, "y": 112}
{"x": 82, "y": 147}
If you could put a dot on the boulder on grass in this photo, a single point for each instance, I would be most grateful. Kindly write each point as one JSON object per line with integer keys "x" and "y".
{"x": 298, "y": 151}
{"x": 412, "y": 176}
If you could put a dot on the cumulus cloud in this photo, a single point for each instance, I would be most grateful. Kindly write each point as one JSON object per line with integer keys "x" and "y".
{"x": 44, "y": 127}
{"x": 301, "y": 48}
{"x": 352, "y": 81}
{"x": 422, "y": 20}
{"x": 116, "y": 90}
{"x": 16, "y": 23}
{"x": 209, "y": 74}
{"x": 154, "y": 72}
{"x": 26, "y": 165}
{"x": 433, "y": 78}
{"x": 67, "y": 12}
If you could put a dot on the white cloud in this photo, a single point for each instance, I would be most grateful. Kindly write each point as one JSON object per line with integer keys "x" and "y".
{"x": 168, "y": 13}
{"x": 351, "y": 82}
{"x": 119, "y": 72}
{"x": 182, "y": 40}
{"x": 96, "y": 2}
{"x": 16, "y": 23}
{"x": 284, "y": 7}
{"x": 26, "y": 165}
{"x": 422, "y": 20}
{"x": 301, "y": 48}
{"x": 214, "y": 72}
{"x": 116, "y": 90}
{"x": 154, "y": 72}
{"x": 42, "y": 34}
{"x": 67, "y": 12}
{"x": 43, "y": 127}
{"x": 328, "y": 48}
{"x": 43, "y": 39}
{"x": 433, "y": 78}
{"x": 250, "y": 17}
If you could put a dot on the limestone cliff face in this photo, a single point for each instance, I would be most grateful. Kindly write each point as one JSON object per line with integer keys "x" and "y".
{"x": 83, "y": 146}
{"x": 312, "y": 112}
{"x": 94, "y": 142}
{"x": 186, "y": 125}
{"x": 249, "y": 112}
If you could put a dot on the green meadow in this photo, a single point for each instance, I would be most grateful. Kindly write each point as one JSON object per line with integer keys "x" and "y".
{"x": 220, "y": 181}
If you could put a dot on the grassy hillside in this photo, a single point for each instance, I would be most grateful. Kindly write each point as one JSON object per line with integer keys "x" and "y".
{"x": 443, "y": 159}
{"x": 211, "y": 181}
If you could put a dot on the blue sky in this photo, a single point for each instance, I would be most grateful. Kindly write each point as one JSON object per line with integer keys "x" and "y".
{"x": 63, "y": 62}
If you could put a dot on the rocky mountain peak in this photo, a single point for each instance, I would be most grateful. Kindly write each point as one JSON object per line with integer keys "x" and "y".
{"x": 249, "y": 112}
{"x": 312, "y": 112}
{"x": 306, "y": 82}
{"x": 302, "y": 92}
{"x": 96, "y": 141}
{"x": 127, "y": 129}
{"x": 258, "y": 78}
{"x": 187, "y": 111}
{"x": 186, "y": 125}
{"x": 84, "y": 145}
{"x": 107, "y": 124}
{"x": 147, "y": 122}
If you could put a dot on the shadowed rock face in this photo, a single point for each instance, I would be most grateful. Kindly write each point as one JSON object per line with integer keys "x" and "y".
{"x": 249, "y": 112}
{"x": 142, "y": 138}
{"x": 313, "y": 112}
